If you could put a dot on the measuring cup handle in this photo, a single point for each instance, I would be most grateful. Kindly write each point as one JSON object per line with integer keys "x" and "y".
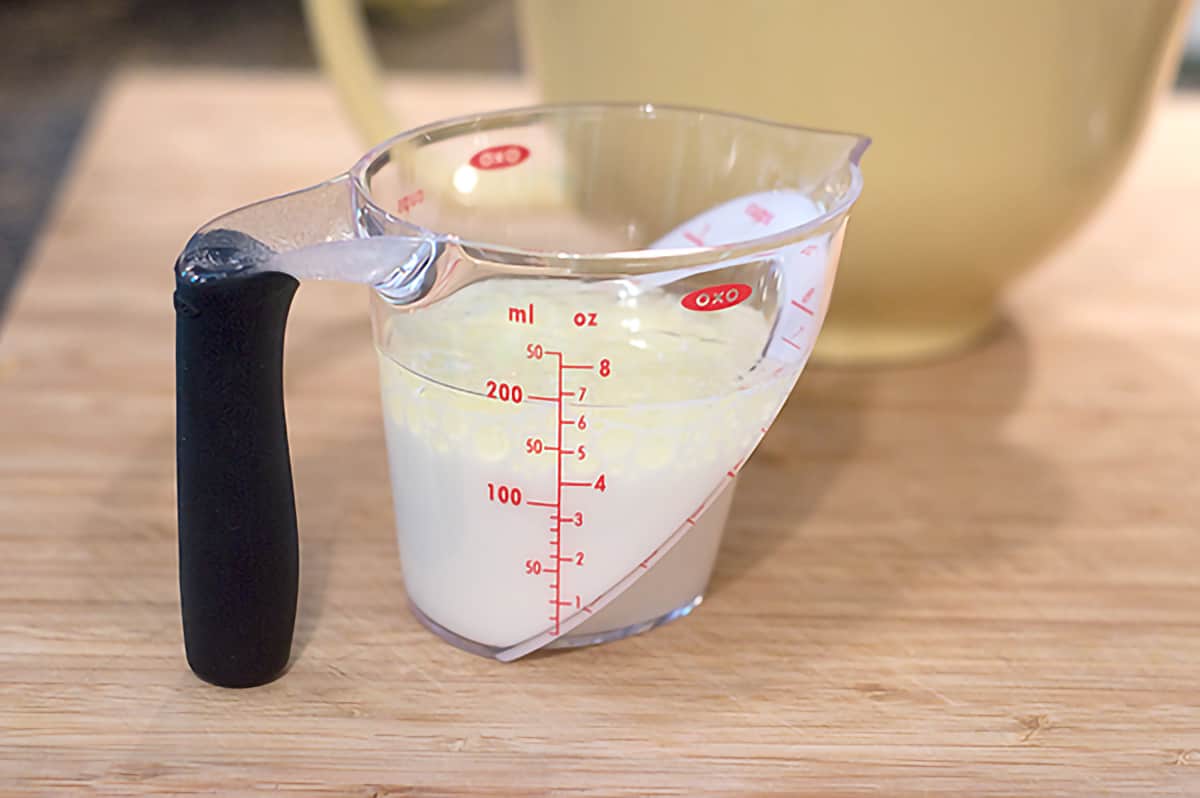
{"x": 238, "y": 549}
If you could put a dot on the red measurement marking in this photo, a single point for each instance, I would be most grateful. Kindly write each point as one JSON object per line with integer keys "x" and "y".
{"x": 808, "y": 295}
{"x": 541, "y": 399}
{"x": 763, "y": 430}
{"x": 697, "y": 238}
{"x": 558, "y": 480}
{"x": 585, "y": 320}
{"x": 501, "y": 156}
{"x": 521, "y": 315}
{"x": 759, "y": 214}
{"x": 557, "y": 518}
{"x": 691, "y": 521}
{"x": 504, "y": 392}
{"x": 805, "y": 308}
{"x": 790, "y": 342}
{"x": 643, "y": 565}
{"x": 588, "y": 610}
{"x": 731, "y": 473}
{"x": 809, "y": 250}
{"x": 410, "y": 201}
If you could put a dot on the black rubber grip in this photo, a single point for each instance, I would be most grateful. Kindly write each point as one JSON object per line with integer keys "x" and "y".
{"x": 238, "y": 549}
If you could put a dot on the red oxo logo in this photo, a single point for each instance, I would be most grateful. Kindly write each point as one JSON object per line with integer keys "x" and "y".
{"x": 501, "y": 156}
{"x": 717, "y": 297}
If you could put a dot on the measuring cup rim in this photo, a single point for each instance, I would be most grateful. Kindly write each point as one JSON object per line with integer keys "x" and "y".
{"x": 638, "y": 259}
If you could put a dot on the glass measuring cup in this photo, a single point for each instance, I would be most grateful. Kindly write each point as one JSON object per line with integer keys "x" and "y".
{"x": 586, "y": 318}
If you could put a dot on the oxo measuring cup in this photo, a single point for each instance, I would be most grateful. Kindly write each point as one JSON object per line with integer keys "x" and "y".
{"x": 586, "y": 317}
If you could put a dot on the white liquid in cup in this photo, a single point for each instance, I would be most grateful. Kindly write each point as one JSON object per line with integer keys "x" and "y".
{"x": 673, "y": 585}
{"x": 672, "y": 402}
{"x": 666, "y": 423}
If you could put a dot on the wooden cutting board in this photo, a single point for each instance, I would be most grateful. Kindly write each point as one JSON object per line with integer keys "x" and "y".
{"x": 978, "y": 577}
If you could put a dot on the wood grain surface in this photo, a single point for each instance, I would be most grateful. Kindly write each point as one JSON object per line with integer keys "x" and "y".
{"x": 974, "y": 578}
